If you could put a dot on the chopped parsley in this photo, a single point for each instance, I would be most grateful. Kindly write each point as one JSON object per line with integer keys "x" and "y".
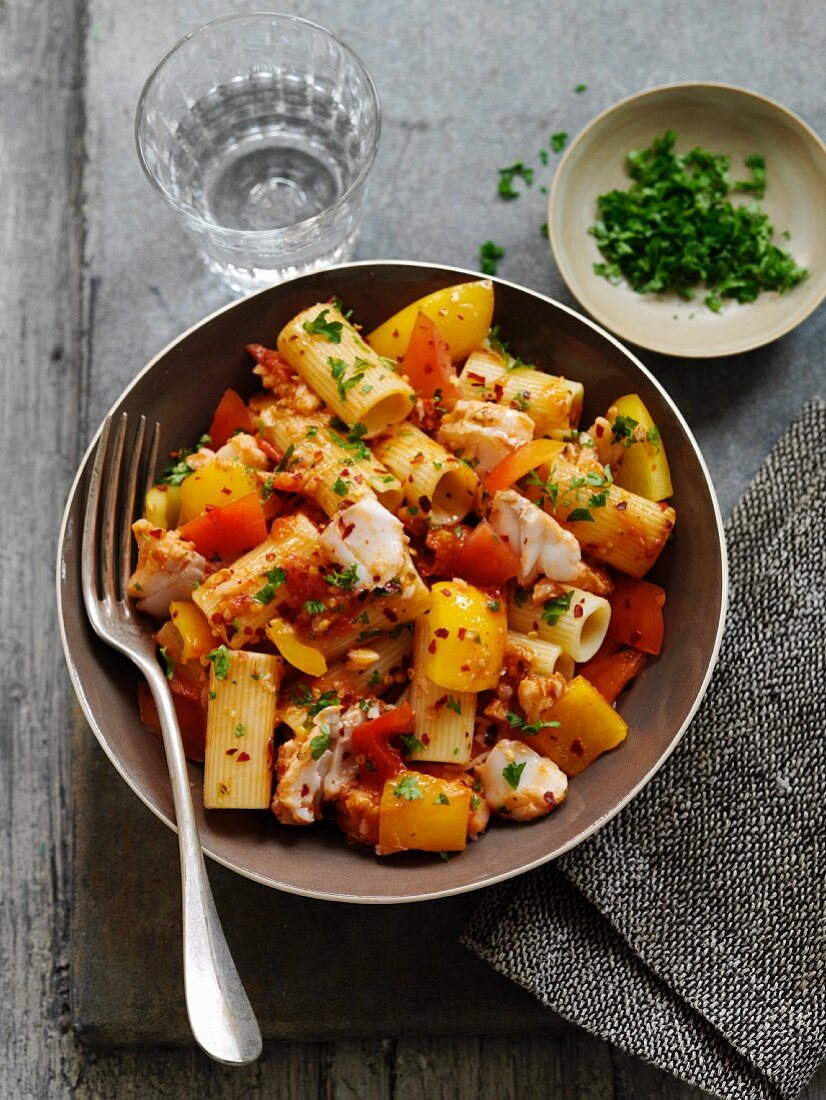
{"x": 168, "y": 663}
{"x": 178, "y": 471}
{"x": 489, "y": 256}
{"x": 314, "y": 607}
{"x": 352, "y": 442}
{"x": 411, "y": 744}
{"x": 675, "y": 229}
{"x": 303, "y": 697}
{"x": 623, "y": 428}
{"x": 441, "y": 799}
{"x": 340, "y": 487}
{"x": 284, "y": 464}
{"x": 512, "y": 773}
{"x": 267, "y": 489}
{"x": 497, "y": 344}
{"x": 240, "y": 729}
{"x": 517, "y": 722}
{"x": 338, "y": 369}
{"x": 518, "y": 170}
{"x": 408, "y": 787}
{"x": 343, "y": 578}
{"x": 321, "y": 742}
{"x": 494, "y": 605}
{"x": 553, "y": 610}
{"x": 453, "y": 704}
{"x": 559, "y": 141}
{"x": 220, "y": 661}
{"x": 320, "y": 326}
{"x": 475, "y": 802}
{"x": 275, "y": 578}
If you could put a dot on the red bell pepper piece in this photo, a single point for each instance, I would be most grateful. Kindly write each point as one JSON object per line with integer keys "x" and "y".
{"x": 637, "y": 614}
{"x": 609, "y": 672}
{"x": 230, "y": 415}
{"x": 229, "y": 530}
{"x": 477, "y": 555}
{"x": 191, "y": 719}
{"x": 373, "y": 740}
{"x": 427, "y": 363}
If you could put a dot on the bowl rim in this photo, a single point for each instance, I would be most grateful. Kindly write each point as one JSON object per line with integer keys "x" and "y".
{"x": 392, "y": 899}
{"x": 560, "y": 255}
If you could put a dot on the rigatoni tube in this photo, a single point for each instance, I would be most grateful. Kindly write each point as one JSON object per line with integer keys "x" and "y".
{"x": 549, "y": 401}
{"x": 240, "y": 721}
{"x": 444, "y": 720}
{"x": 576, "y": 621}
{"x": 352, "y": 380}
{"x": 433, "y": 479}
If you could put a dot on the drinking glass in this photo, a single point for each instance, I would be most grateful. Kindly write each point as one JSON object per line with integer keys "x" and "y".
{"x": 260, "y": 130}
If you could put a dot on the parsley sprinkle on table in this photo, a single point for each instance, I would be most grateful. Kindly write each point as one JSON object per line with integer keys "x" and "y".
{"x": 489, "y": 255}
{"x": 675, "y": 229}
{"x": 559, "y": 141}
{"x": 580, "y": 88}
{"x": 519, "y": 170}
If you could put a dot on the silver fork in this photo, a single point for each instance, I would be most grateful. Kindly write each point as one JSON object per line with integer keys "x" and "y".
{"x": 219, "y": 1011}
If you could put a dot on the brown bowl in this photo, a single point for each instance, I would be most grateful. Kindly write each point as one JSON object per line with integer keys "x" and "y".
{"x": 180, "y": 389}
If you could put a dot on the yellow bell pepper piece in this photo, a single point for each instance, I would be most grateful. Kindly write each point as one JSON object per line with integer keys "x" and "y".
{"x": 467, "y": 631}
{"x": 194, "y": 629}
{"x": 462, "y": 314}
{"x": 216, "y": 483}
{"x": 162, "y": 505}
{"x": 423, "y": 812}
{"x": 643, "y": 468}
{"x": 588, "y": 727}
{"x": 305, "y": 658}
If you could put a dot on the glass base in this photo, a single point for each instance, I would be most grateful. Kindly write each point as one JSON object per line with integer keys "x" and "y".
{"x": 246, "y": 280}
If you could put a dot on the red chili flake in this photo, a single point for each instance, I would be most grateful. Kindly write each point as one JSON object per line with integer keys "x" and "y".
{"x": 600, "y": 432}
{"x": 663, "y": 506}
{"x": 231, "y": 752}
{"x": 465, "y": 668}
{"x": 428, "y": 369}
{"x": 462, "y": 631}
{"x": 548, "y": 796}
{"x": 440, "y": 702}
{"x": 622, "y": 505}
{"x": 391, "y": 615}
{"x": 345, "y": 472}
{"x": 667, "y": 524}
{"x": 305, "y": 790}
{"x": 417, "y": 458}
{"x": 432, "y": 647}
{"x": 442, "y": 632}
{"x": 476, "y": 379}
{"x": 627, "y": 603}
{"x": 395, "y": 334}
{"x": 217, "y": 618}
{"x": 410, "y": 479}
{"x": 243, "y": 757}
{"x": 578, "y": 611}
{"x": 226, "y": 492}
{"x": 577, "y": 748}
{"x": 446, "y": 592}
{"x": 498, "y": 391}
{"x": 635, "y": 636}
{"x": 210, "y": 507}
{"x": 425, "y": 504}
{"x": 425, "y": 738}
{"x": 347, "y": 529}
{"x": 156, "y": 532}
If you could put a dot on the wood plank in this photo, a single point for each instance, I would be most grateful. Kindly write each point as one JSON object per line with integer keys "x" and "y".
{"x": 40, "y": 386}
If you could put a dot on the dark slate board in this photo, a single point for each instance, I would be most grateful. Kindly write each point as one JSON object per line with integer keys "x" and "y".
{"x": 314, "y": 970}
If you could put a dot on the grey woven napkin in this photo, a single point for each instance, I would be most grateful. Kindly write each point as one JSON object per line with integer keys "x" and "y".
{"x": 691, "y": 930}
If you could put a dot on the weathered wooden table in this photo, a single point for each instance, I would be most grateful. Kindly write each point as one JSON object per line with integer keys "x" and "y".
{"x": 95, "y": 277}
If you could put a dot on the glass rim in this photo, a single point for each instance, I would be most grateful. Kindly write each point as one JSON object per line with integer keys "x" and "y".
{"x": 229, "y": 231}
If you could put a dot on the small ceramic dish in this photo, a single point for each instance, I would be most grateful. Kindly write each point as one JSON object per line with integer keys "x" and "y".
{"x": 722, "y": 119}
{"x": 180, "y": 389}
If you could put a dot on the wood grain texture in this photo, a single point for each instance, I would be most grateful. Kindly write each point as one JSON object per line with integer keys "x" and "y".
{"x": 84, "y": 302}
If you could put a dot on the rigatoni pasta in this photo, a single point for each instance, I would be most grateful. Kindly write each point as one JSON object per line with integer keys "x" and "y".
{"x": 356, "y": 383}
{"x": 435, "y": 580}
{"x": 243, "y": 695}
{"x": 431, "y": 477}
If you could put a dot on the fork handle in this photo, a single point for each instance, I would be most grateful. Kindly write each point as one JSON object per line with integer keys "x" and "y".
{"x": 220, "y": 1014}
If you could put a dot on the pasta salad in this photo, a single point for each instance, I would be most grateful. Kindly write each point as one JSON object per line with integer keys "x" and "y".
{"x": 400, "y": 587}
